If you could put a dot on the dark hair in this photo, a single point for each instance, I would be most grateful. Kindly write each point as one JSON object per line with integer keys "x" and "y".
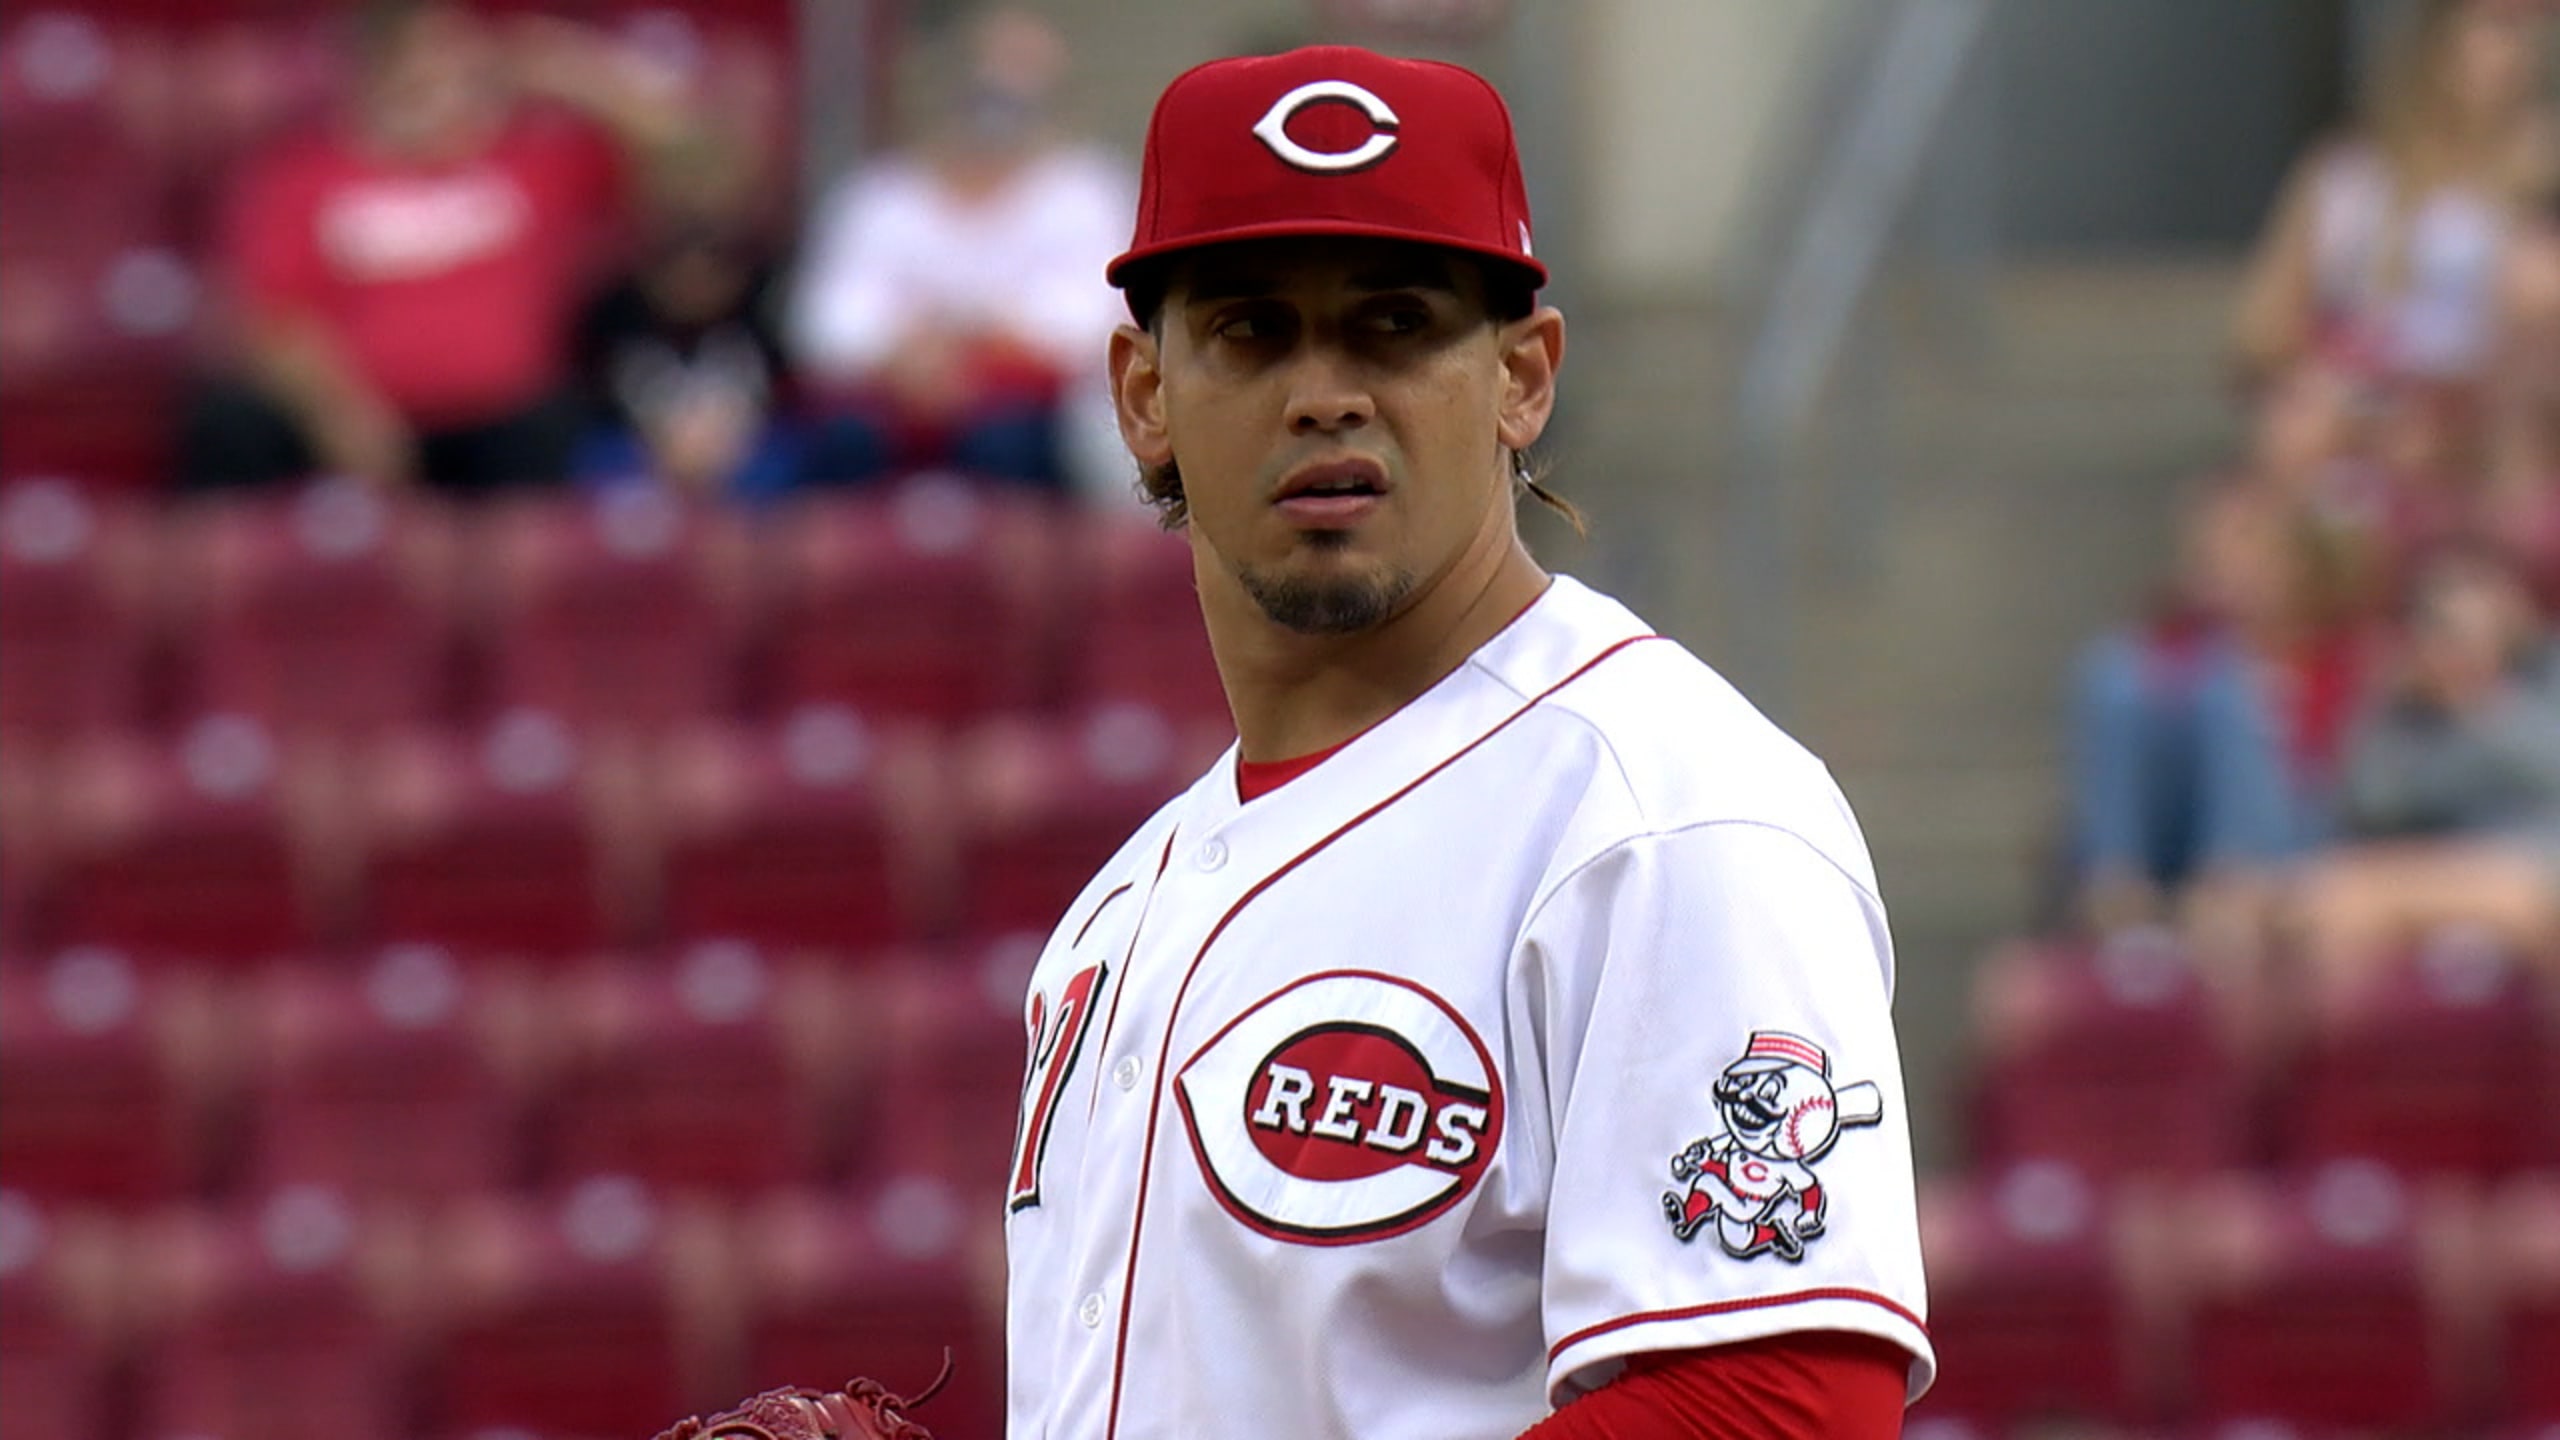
{"x": 1509, "y": 294}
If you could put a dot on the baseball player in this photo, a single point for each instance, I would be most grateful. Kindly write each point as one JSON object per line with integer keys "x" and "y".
{"x": 1358, "y": 1076}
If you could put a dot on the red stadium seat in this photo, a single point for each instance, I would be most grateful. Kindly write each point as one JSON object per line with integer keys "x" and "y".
{"x": 1043, "y": 804}
{"x": 705, "y": 1075}
{"x": 54, "y": 1359}
{"x": 2106, "y": 1058}
{"x": 96, "y": 1108}
{"x": 618, "y": 610}
{"x": 73, "y": 637}
{"x": 2523, "y": 1246}
{"x": 329, "y": 610}
{"x": 492, "y": 843}
{"x": 263, "y": 1326}
{"x": 2314, "y": 1300}
{"x": 407, "y": 1045}
{"x": 949, "y": 1090}
{"x": 2027, "y": 1310}
{"x": 95, "y": 302}
{"x": 2427, "y": 1077}
{"x": 193, "y": 848}
{"x": 579, "y": 1316}
{"x": 1139, "y": 640}
{"x": 805, "y": 835}
{"x": 920, "y": 603}
{"x": 885, "y": 1282}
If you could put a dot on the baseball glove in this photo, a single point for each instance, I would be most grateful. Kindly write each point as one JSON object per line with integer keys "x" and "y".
{"x": 862, "y": 1410}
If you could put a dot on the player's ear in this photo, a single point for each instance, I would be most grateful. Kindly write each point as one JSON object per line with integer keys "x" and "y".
{"x": 1137, "y": 395}
{"x": 1532, "y": 353}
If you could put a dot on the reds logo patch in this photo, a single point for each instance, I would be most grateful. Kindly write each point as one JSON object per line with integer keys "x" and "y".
{"x": 1755, "y": 1183}
{"x": 1348, "y": 1107}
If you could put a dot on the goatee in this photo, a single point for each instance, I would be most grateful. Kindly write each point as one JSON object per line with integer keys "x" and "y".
{"x": 1342, "y": 606}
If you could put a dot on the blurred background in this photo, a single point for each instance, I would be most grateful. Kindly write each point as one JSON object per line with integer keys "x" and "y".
{"x": 570, "y": 613}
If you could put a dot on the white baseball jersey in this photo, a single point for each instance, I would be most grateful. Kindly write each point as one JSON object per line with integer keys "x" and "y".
{"x": 1544, "y": 1024}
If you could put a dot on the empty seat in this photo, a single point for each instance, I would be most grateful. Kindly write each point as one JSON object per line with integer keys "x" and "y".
{"x": 268, "y": 1322}
{"x": 2523, "y": 1248}
{"x": 620, "y": 609}
{"x": 886, "y": 1282}
{"x": 327, "y": 610}
{"x": 185, "y": 846}
{"x": 801, "y": 835}
{"x": 1041, "y": 805}
{"x": 947, "y": 1094}
{"x": 73, "y": 574}
{"x": 489, "y": 842}
{"x": 919, "y": 603}
{"x": 583, "y": 1314}
{"x": 2027, "y": 1308}
{"x": 1139, "y": 638}
{"x": 96, "y": 303}
{"x": 2427, "y": 1075}
{"x": 2313, "y": 1299}
{"x": 53, "y": 1302}
{"x": 2107, "y": 1058}
{"x": 190, "y": 848}
{"x": 705, "y": 1074}
{"x": 96, "y": 1109}
{"x": 387, "y": 1080}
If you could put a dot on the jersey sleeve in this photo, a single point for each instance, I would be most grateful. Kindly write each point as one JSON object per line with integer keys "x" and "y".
{"x": 1708, "y": 1019}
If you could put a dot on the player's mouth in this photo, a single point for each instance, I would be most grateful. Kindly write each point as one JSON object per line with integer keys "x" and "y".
{"x": 1331, "y": 494}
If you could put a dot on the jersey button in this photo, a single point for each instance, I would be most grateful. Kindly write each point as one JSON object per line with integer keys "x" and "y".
{"x": 1090, "y": 1312}
{"x": 1213, "y": 854}
{"x": 1125, "y": 1074}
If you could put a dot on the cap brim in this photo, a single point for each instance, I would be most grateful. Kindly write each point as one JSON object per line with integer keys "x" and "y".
{"x": 1118, "y": 272}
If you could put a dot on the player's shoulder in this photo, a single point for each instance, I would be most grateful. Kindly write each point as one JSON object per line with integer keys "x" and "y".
{"x": 1662, "y": 741}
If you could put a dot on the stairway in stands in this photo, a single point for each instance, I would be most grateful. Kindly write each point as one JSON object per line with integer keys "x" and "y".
{"x": 2026, "y": 504}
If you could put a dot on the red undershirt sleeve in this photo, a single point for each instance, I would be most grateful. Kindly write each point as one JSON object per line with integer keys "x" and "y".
{"x": 1813, "y": 1385}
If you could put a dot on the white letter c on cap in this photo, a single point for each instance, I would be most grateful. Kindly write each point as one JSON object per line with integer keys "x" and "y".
{"x": 1273, "y": 128}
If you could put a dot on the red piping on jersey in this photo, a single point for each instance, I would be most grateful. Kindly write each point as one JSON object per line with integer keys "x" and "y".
{"x": 1111, "y": 1016}
{"x": 1164, "y": 1052}
{"x": 1728, "y": 1307}
{"x": 1086, "y": 928}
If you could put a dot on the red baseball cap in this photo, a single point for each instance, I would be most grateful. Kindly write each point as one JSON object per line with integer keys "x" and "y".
{"x": 1331, "y": 140}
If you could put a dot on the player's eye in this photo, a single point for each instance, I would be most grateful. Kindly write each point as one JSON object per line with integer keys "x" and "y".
{"x": 1249, "y": 325}
{"x": 1399, "y": 320}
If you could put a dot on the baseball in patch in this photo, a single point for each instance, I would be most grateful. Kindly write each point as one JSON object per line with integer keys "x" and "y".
{"x": 1754, "y": 1185}
{"x": 1350, "y": 1106}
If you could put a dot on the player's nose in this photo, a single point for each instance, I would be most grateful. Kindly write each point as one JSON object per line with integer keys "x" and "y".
{"x": 1327, "y": 392}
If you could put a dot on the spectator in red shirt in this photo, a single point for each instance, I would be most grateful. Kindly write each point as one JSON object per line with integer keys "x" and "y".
{"x": 405, "y": 281}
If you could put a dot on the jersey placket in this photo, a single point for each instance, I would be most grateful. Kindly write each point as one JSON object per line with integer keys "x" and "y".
{"x": 1201, "y": 881}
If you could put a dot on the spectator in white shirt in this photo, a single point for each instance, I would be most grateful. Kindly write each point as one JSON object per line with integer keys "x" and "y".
{"x": 950, "y": 311}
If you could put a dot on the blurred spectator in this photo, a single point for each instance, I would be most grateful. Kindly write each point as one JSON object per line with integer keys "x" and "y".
{"x": 2521, "y": 502}
{"x": 2203, "y": 739}
{"x": 2389, "y": 239}
{"x": 2451, "y": 786}
{"x": 951, "y": 309}
{"x": 406, "y": 276}
{"x": 681, "y": 356}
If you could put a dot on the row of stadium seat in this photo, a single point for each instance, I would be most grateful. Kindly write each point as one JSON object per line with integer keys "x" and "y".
{"x": 2131, "y": 1067}
{"x": 412, "y": 1075}
{"x": 2345, "y": 1303}
{"x": 819, "y": 829}
{"x": 603, "y": 1310}
{"x": 337, "y": 610}
{"x": 2341, "y": 1301}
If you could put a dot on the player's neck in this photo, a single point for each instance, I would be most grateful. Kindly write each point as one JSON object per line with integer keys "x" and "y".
{"x": 1296, "y": 694}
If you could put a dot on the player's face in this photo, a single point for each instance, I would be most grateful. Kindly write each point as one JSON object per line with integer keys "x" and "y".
{"x": 1340, "y": 411}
